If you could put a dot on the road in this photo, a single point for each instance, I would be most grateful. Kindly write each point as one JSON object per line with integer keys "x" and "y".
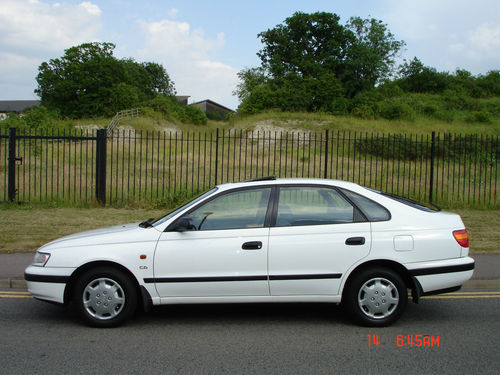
{"x": 40, "y": 338}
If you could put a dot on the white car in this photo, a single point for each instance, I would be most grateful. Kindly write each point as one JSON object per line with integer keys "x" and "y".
{"x": 266, "y": 240}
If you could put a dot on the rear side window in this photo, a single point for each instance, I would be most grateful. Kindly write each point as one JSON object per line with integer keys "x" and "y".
{"x": 372, "y": 210}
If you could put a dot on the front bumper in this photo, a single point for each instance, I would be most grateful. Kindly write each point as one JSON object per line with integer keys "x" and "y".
{"x": 47, "y": 283}
{"x": 442, "y": 274}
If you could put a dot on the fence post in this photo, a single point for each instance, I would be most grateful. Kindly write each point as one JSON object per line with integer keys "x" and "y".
{"x": 100, "y": 183}
{"x": 12, "y": 165}
{"x": 326, "y": 155}
{"x": 216, "y": 152}
{"x": 431, "y": 180}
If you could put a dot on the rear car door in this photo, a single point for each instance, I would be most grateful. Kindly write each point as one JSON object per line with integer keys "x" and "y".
{"x": 318, "y": 235}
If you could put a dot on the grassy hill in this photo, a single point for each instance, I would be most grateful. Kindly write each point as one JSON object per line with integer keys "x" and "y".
{"x": 317, "y": 122}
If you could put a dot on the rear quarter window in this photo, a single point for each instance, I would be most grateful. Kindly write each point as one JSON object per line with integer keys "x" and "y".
{"x": 372, "y": 210}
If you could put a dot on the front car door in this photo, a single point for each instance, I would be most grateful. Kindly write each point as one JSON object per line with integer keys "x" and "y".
{"x": 224, "y": 253}
{"x": 318, "y": 235}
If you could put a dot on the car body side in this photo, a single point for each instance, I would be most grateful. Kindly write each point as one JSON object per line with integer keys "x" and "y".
{"x": 418, "y": 245}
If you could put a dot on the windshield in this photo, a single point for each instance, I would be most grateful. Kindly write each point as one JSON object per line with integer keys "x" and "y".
{"x": 171, "y": 214}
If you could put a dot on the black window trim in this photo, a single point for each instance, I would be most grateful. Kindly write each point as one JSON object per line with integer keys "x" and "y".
{"x": 325, "y": 186}
{"x": 222, "y": 193}
{"x": 272, "y": 206}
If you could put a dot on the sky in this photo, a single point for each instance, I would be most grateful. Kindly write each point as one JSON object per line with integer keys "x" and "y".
{"x": 203, "y": 44}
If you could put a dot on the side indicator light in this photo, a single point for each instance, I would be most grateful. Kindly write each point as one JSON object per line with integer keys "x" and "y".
{"x": 143, "y": 256}
{"x": 462, "y": 237}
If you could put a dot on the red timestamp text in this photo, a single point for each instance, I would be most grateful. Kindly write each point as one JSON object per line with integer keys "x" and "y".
{"x": 417, "y": 341}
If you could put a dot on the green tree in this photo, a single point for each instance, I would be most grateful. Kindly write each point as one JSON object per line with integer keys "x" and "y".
{"x": 304, "y": 45}
{"x": 89, "y": 81}
{"x": 360, "y": 53}
{"x": 312, "y": 61}
{"x": 159, "y": 81}
{"x": 416, "y": 77}
{"x": 249, "y": 80}
{"x": 370, "y": 55}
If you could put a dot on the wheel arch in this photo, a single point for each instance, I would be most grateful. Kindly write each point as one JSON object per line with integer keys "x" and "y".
{"x": 402, "y": 271}
{"x": 142, "y": 294}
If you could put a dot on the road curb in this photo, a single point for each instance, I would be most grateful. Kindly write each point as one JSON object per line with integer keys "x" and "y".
{"x": 481, "y": 284}
{"x": 13, "y": 283}
{"x": 20, "y": 283}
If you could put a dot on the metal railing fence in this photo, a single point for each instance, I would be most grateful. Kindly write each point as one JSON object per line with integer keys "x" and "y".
{"x": 128, "y": 166}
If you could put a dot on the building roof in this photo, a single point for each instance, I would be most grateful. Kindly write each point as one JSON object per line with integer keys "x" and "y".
{"x": 214, "y": 103}
{"x": 17, "y": 105}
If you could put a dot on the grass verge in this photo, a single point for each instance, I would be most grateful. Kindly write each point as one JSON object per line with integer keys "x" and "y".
{"x": 26, "y": 229}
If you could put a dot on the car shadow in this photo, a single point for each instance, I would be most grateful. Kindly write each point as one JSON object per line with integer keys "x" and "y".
{"x": 254, "y": 313}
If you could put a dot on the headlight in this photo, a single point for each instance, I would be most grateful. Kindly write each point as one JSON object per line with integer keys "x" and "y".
{"x": 40, "y": 259}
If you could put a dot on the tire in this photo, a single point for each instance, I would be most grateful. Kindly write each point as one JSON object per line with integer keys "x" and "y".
{"x": 105, "y": 297}
{"x": 376, "y": 297}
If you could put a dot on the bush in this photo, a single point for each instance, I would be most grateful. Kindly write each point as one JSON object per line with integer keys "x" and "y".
{"x": 36, "y": 118}
{"x": 214, "y": 116}
{"x": 483, "y": 116}
{"x": 195, "y": 115}
{"x": 393, "y": 110}
{"x": 293, "y": 93}
{"x": 261, "y": 98}
{"x": 490, "y": 83}
{"x": 444, "y": 115}
{"x": 430, "y": 109}
{"x": 364, "y": 111}
{"x": 171, "y": 110}
{"x": 400, "y": 147}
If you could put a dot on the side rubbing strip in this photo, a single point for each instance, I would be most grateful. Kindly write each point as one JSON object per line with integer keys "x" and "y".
{"x": 46, "y": 278}
{"x": 439, "y": 270}
{"x": 240, "y": 278}
{"x": 306, "y": 277}
{"x": 203, "y": 279}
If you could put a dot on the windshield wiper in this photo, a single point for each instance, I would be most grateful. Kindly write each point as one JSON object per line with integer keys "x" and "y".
{"x": 147, "y": 223}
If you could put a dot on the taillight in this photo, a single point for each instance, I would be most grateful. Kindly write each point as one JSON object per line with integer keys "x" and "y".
{"x": 462, "y": 237}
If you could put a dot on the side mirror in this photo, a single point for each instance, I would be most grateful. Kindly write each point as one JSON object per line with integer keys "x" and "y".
{"x": 184, "y": 224}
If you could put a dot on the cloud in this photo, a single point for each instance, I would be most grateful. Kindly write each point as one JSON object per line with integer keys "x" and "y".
{"x": 91, "y": 8}
{"x": 35, "y": 26}
{"x": 190, "y": 59}
{"x": 32, "y": 31}
{"x": 447, "y": 34}
{"x": 172, "y": 13}
{"x": 486, "y": 37}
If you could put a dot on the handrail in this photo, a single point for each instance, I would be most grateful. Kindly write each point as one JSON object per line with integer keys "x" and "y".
{"x": 126, "y": 114}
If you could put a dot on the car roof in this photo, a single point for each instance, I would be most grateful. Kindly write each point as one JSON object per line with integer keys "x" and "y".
{"x": 287, "y": 181}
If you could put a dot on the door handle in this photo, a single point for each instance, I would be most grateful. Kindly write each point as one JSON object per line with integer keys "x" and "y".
{"x": 355, "y": 241}
{"x": 252, "y": 245}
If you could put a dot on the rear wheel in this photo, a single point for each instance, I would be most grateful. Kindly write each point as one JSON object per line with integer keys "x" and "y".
{"x": 105, "y": 297}
{"x": 376, "y": 297}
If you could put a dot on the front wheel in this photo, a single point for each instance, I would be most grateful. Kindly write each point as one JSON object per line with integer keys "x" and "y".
{"x": 105, "y": 297}
{"x": 376, "y": 297}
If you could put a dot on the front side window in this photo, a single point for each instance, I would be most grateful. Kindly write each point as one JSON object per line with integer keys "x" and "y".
{"x": 174, "y": 212}
{"x": 312, "y": 206}
{"x": 234, "y": 210}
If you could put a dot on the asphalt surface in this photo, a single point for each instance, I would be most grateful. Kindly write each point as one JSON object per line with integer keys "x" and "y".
{"x": 40, "y": 338}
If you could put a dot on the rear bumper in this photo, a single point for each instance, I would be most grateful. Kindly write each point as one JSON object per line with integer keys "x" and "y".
{"x": 443, "y": 275}
{"x": 47, "y": 284}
